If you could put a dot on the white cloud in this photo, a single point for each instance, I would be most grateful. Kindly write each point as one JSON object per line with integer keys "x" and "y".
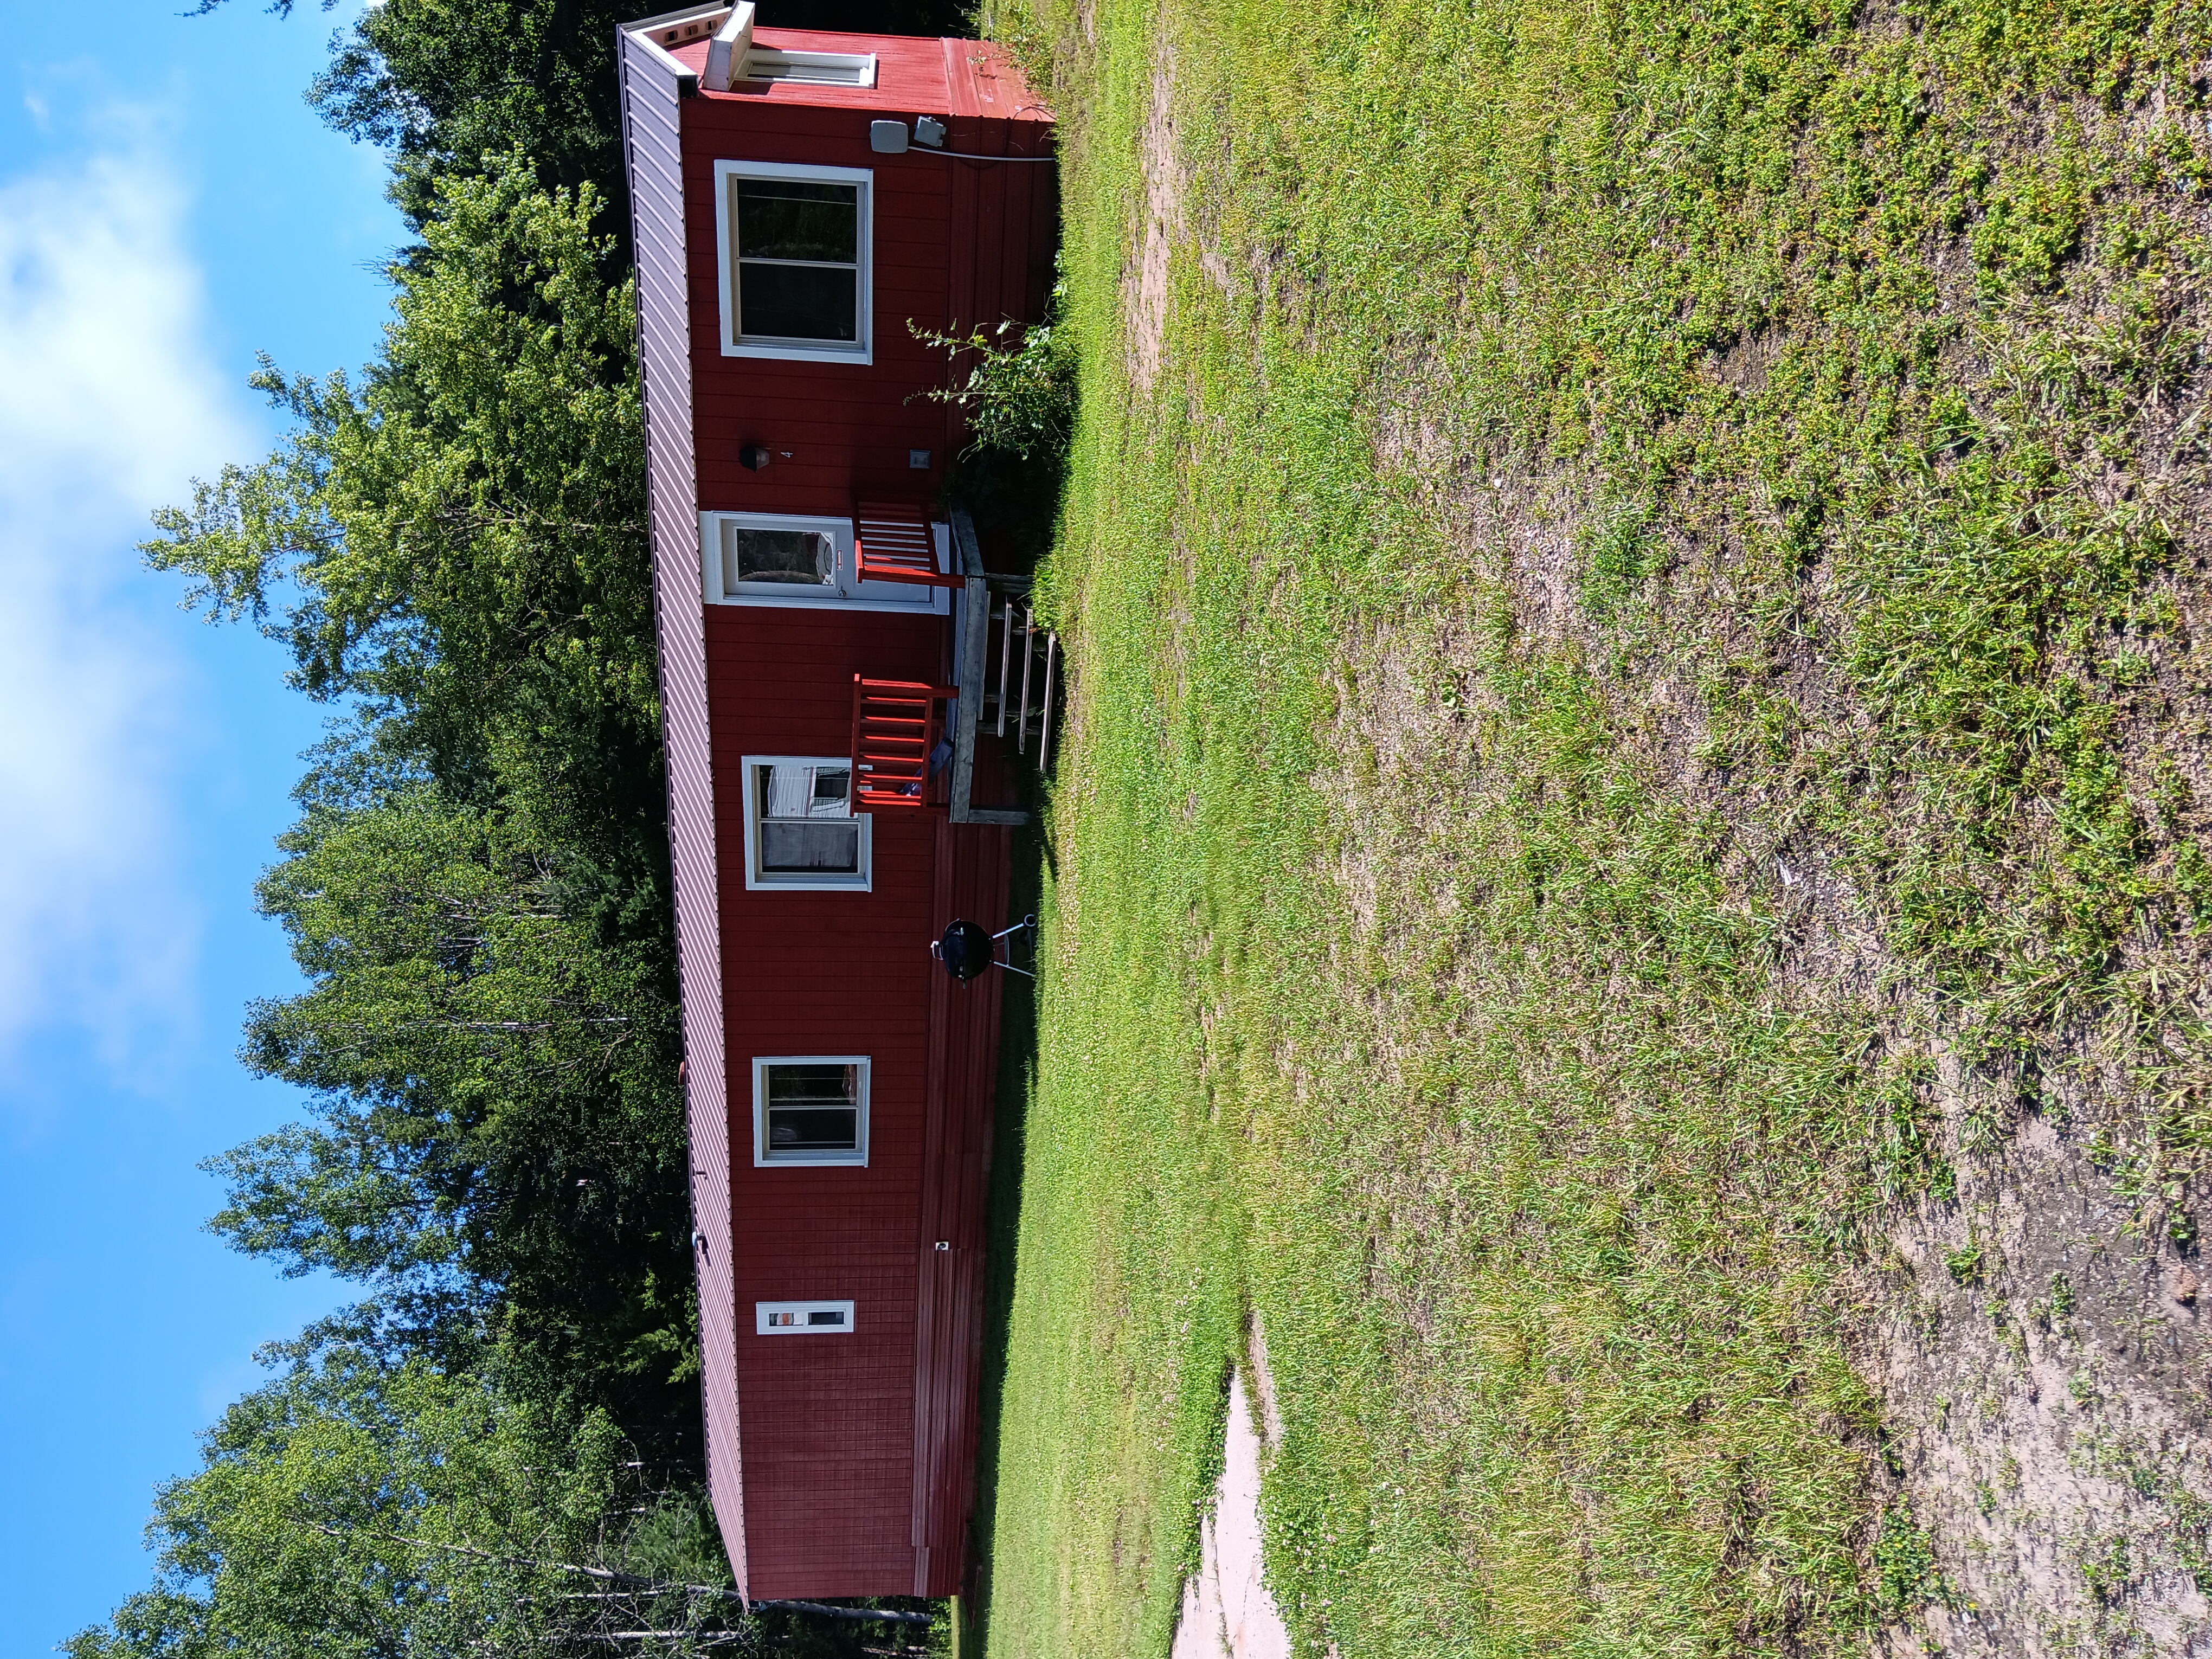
{"x": 109, "y": 402}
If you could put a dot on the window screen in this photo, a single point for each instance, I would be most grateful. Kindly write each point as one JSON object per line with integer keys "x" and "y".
{"x": 798, "y": 264}
{"x": 811, "y": 1108}
{"x": 807, "y": 822}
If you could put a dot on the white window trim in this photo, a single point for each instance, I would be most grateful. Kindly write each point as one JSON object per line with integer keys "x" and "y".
{"x": 779, "y": 883}
{"x": 861, "y": 63}
{"x": 762, "y": 1309}
{"x": 857, "y": 1158}
{"x": 850, "y": 593}
{"x": 863, "y": 351}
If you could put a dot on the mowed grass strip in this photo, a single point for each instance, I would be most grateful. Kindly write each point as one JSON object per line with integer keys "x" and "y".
{"x": 1541, "y": 469}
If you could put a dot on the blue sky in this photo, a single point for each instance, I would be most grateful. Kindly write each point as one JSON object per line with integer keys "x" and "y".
{"x": 168, "y": 206}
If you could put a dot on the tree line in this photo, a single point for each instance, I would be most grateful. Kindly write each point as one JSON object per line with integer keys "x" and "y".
{"x": 496, "y": 1449}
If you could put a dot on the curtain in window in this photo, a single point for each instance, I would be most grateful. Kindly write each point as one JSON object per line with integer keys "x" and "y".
{"x": 790, "y": 792}
{"x": 786, "y": 847}
{"x": 806, "y": 820}
{"x": 807, "y": 791}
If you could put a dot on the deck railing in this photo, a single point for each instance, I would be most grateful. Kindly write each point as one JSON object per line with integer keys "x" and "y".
{"x": 897, "y": 727}
{"x": 892, "y": 541}
{"x": 1029, "y": 667}
{"x": 909, "y": 750}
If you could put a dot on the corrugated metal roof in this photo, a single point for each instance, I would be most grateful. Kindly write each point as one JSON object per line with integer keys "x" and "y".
{"x": 652, "y": 90}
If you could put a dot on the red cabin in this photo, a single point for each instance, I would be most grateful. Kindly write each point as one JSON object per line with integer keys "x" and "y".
{"x": 800, "y": 200}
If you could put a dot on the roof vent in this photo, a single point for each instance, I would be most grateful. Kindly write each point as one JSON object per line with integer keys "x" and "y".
{"x": 684, "y": 31}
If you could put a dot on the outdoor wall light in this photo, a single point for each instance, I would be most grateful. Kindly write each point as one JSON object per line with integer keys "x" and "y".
{"x": 753, "y": 457}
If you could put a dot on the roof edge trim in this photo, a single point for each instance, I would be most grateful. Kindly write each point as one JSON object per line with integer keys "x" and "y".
{"x": 705, "y": 18}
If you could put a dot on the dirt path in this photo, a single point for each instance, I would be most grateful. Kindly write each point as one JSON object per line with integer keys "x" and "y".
{"x": 1226, "y": 1608}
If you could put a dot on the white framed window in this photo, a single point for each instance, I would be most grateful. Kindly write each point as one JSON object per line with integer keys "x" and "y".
{"x": 801, "y": 831}
{"x": 794, "y": 251}
{"x": 834, "y": 69}
{"x": 810, "y": 1108}
{"x": 792, "y": 559}
{"x": 803, "y": 1318}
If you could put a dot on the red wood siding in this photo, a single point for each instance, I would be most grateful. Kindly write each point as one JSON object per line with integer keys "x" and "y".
{"x": 958, "y": 245}
{"x": 1006, "y": 212}
{"x": 964, "y": 1026}
{"x": 831, "y": 1428}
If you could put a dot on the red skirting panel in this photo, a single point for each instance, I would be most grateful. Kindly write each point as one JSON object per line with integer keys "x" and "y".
{"x": 972, "y": 871}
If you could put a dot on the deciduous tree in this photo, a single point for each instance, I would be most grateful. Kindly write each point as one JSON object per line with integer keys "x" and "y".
{"x": 477, "y": 889}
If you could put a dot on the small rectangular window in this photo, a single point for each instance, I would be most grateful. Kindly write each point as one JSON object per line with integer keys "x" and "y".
{"x": 802, "y": 1318}
{"x": 810, "y": 1108}
{"x": 794, "y": 256}
{"x": 800, "y": 828}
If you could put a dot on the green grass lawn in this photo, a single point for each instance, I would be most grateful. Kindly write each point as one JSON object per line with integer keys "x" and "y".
{"x": 1627, "y": 571}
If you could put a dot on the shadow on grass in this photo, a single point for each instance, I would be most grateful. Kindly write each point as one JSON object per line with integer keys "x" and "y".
{"x": 1018, "y": 1053}
{"x": 1014, "y": 501}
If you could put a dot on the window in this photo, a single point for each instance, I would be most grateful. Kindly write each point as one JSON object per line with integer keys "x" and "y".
{"x": 805, "y": 557}
{"x": 835, "y": 69}
{"x": 768, "y": 558}
{"x": 800, "y": 828}
{"x": 773, "y": 558}
{"x": 810, "y": 1108}
{"x": 794, "y": 259}
{"x": 802, "y": 1318}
